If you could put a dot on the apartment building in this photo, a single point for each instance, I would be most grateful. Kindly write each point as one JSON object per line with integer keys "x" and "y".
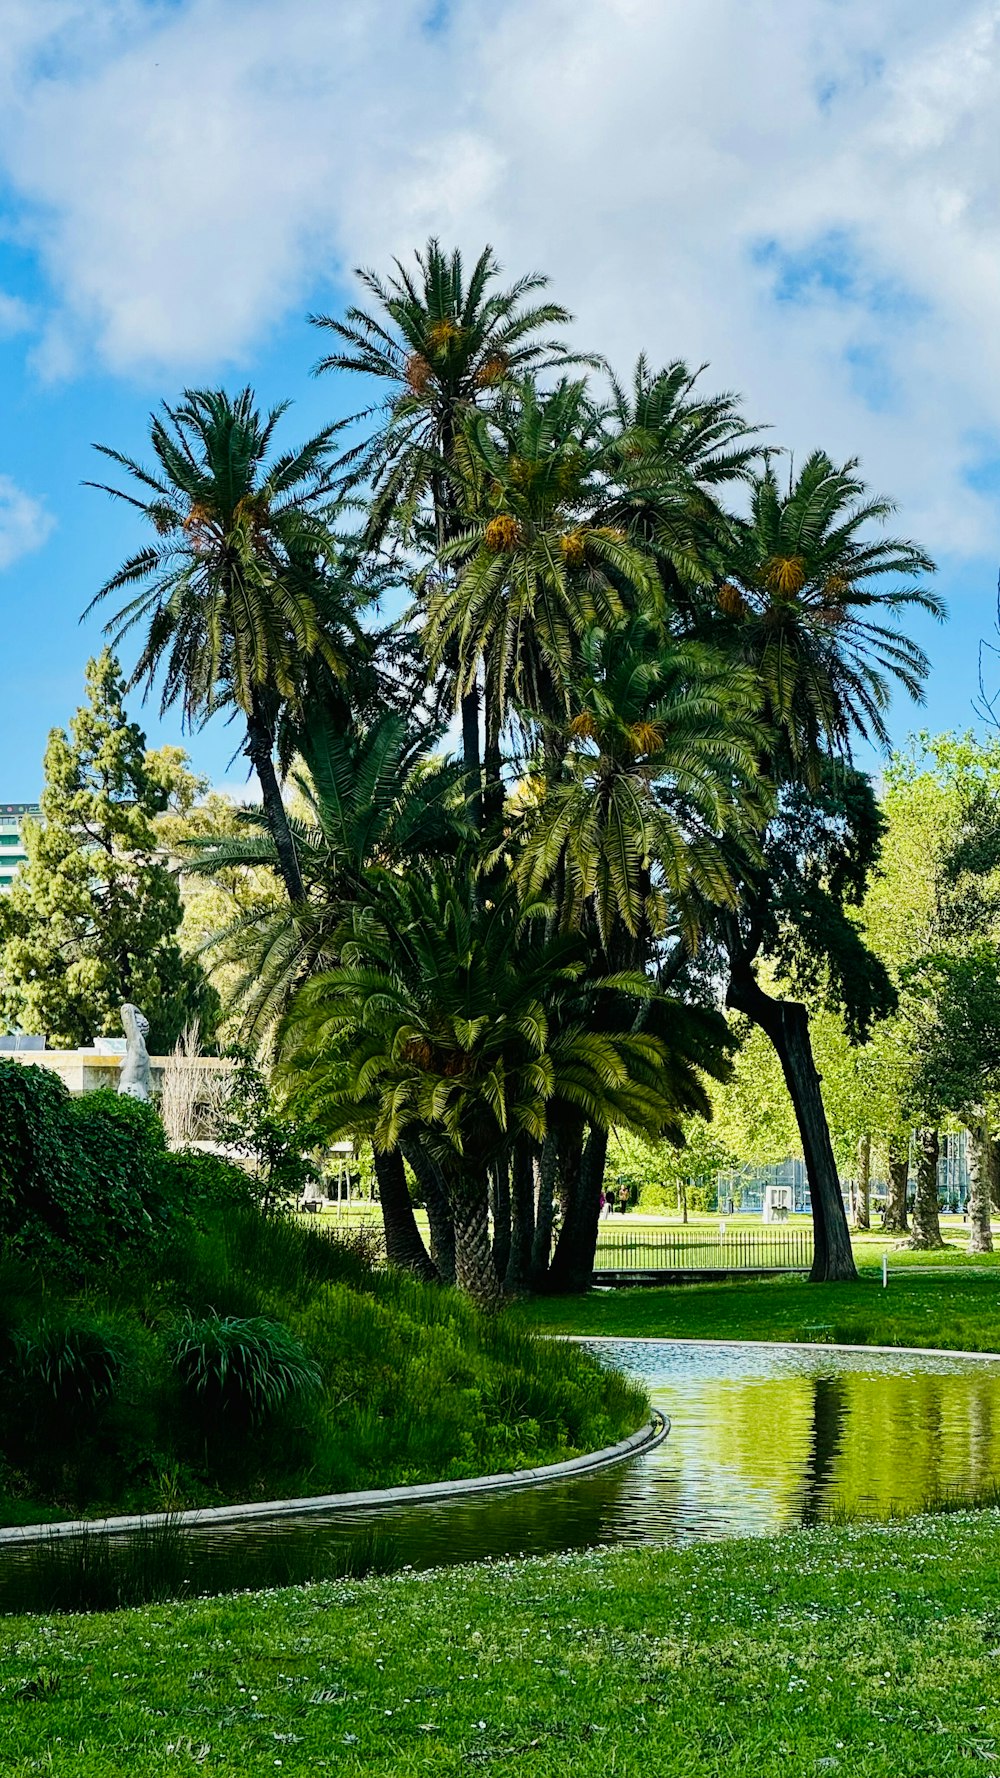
{"x": 12, "y": 853}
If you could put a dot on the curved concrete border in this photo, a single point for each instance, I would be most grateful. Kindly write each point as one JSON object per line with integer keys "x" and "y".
{"x": 765, "y": 1345}
{"x": 366, "y": 1500}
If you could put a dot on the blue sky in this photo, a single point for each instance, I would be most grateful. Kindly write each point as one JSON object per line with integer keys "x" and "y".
{"x": 806, "y": 197}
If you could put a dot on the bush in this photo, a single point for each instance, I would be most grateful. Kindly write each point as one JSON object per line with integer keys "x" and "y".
{"x": 191, "y": 1182}
{"x": 73, "y": 1367}
{"x": 82, "y": 1181}
{"x": 33, "y": 1106}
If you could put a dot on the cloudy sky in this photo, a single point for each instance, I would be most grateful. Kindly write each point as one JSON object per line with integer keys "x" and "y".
{"x": 805, "y": 194}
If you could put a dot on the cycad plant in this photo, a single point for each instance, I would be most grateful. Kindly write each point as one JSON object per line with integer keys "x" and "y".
{"x": 367, "y": 799}
{"x": 467, "y": 1020}
{"x": 238, "y": 582}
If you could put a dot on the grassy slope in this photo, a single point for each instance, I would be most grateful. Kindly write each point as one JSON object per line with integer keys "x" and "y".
{"x": 865, "y": 1651}
{"x": 920, "y": 1308}
{"x": 416, "y": 1386}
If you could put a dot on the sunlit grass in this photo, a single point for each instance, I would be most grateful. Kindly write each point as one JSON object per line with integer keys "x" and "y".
{"x": 960, "y": 1310}
{"x": 857, "y": 1650}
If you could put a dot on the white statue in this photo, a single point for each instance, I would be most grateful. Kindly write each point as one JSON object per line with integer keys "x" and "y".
{"x": 135, "y": 1079}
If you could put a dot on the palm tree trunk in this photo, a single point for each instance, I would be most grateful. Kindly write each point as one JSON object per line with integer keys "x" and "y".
{"x": 471, "y": 755}
{"x": 522, "y": 1203}
{"x": 786, "y": 1023}
{"x": 259, "y": 751}
{"x": 926, "y": 1224}
{"x": 547, "y": 1164}
{"x": 573, "y": 1261}
{"x": 404, "y": 1246}
{"x": 500, "y": 1210}
{"x": 980, "y": 1204}
{"x": 475, "y": 1272}
{"x": 894, "y": 1221}
{"x": 442, "y": 1226}
{"x": 863, "y": 1214}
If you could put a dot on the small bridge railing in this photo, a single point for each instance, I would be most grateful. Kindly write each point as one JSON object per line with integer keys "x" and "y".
{"x": 703, "y": 1250}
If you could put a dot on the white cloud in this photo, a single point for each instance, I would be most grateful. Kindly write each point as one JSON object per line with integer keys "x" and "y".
{"x": 24, "y": 523}
{"x": 190, "y": 172}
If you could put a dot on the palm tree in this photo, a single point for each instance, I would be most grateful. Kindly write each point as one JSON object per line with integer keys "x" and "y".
{"x": 534, "y": 571}
{"x": 445, "y": 345}
{"x": 630, "y": 833}
{"x": 803, "y": 606}
{"x": 239, "y": 583}
{"x": 467, "y": 1019}
{"x": 804, "y": 603}
{"x": 368, "y": 800}
{"x": 672, "y": 449}
{"x": 660, "y": 768}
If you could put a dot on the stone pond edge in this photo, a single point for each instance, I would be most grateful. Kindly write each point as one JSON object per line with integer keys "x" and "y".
{"x": 413, "y": 1494}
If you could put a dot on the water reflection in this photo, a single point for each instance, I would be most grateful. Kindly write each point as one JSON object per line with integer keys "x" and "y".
{"x": 767, "y": 1438}
{"x": 762, "y": 1438}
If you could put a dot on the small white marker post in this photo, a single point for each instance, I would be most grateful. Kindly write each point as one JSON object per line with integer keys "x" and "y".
{"x": 885, "y": 1270}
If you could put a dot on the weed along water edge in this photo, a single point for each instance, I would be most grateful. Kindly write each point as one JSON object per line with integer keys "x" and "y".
{"x": 763, "y": 1439}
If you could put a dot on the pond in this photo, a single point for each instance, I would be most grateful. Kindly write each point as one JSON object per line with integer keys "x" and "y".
{"x": 763, "y": 1438}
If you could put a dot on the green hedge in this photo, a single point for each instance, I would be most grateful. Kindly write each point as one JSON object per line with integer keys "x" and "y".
{"x": 86, "y": 1182}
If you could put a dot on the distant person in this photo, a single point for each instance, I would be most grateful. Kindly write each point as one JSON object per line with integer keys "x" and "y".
{"x": 623, "y": 1199}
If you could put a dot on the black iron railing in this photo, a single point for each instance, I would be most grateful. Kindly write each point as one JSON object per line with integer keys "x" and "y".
{"x": 703, "y": 1250}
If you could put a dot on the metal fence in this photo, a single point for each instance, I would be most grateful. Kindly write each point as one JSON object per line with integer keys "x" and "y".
{"x": 703, "y": 1250}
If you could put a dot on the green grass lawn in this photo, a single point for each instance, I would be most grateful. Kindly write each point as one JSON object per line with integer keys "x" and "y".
{"x": 919, "y": 1308}
{"x": 865, "y": 1651}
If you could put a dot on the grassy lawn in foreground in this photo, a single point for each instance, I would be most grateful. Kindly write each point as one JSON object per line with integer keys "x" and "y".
{"x": 868, "y": 1651}
{"x": 920, "y": 1308}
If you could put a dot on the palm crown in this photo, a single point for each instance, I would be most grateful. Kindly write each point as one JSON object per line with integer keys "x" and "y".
{"x": 445, "y": 345}
{"x": 660, "y": 768}
{"x": 805, "y": 591}
{"x": 230, "y": 586}
{"x": 534, "y": 570}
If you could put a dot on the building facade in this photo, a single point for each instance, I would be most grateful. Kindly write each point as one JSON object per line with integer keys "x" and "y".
{"x": 12, "y": 854}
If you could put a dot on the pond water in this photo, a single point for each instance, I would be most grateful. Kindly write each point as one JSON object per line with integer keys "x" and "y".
{"x": 762, "y": 1438}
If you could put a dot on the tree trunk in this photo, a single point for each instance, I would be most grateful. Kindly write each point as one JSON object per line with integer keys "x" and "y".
{"x": 522, "y": 1203}
{"x": 682, "y": 1199}
{"x": 471, "y": 756}
{"x": 863, "y": 1212}
{"x": 439, "y": 1215}
{"x": 475, "y": 1273}
{"x": 926, "y": 1225}
{"x": 894, "y": 1221}
{"x": 259, "y": 745}
{"x": 492, "y": 753}
{"x": 546, "y": 1165}
{"x": 573, "y": 1261}
{"x": 500, "y": 1208}
{"x": 980, "y": 1206}
{"x": 786, "y": 1023}
{"x": 404, "y": 1246}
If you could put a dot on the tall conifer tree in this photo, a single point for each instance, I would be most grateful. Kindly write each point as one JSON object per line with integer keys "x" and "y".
{"x": 91, "y": 919}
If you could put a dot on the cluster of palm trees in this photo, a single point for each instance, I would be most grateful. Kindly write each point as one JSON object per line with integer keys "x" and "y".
{"x": 654, "y": 642}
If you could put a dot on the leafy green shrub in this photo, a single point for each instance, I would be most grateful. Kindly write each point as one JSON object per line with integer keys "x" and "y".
{"x": 80, "y": 1179}
{"x": 243, "y": 1368}
{"x": 32, "y": 1108}
{"x": 192, "y": 1181}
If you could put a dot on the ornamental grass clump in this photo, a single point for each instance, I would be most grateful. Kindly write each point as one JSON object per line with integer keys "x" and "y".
{"x": 243, "y": 1369}
{"x": 73, "y": 1366}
